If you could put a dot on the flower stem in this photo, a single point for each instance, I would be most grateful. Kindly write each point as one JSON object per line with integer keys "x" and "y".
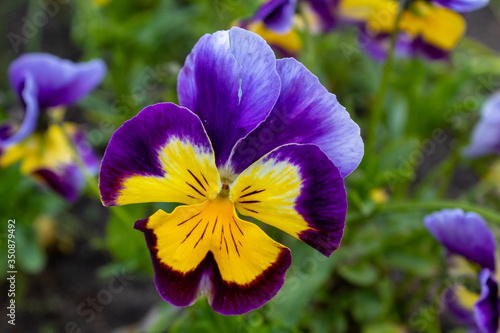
{"x": 375, "y": 115}
{"x": 487, "y": 213}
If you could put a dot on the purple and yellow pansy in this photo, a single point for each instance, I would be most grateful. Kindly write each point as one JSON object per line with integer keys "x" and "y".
{"x": 485, "y": 139}
{"x": 424, "y": 30}
{"x": 44, "y": 84}
{"x": 254, "y": 137}
{"x": 277, "y": 22}
{"x": 279, "y": 15}
{"x": 471, "y": 247}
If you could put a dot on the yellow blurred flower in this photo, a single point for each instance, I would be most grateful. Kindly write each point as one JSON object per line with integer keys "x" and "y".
{"x": 379, "y": 196}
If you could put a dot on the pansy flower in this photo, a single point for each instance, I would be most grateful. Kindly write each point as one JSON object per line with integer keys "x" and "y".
{"x": 277, "y": 22}
{"x": 278, "y": 15}
{"x": 467, "y": 236}
{"x": 254, "y": 137}
{"x": 44, "y": 84}
{"x": 486, "y": 134}
{"x": 274, "y": 21}
{"x": 425, "y": 29}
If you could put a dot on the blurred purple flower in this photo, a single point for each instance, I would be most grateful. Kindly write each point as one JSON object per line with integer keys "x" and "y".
{"x": 277, "y": 22}
{"x": 485, "y": 138}
{"x": 43, "y": 81}
{"x": 467, "y": 235}
{"x": 277, "y": 15}
{"x": 424, "y": 31}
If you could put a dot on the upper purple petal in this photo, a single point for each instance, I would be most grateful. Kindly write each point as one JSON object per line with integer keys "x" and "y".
{"x": 486, "y": 134}
{"x": 277, "y": 15}
{"x": 31, "y": 113}
{"x": 305, "y": 113}
{"x": 462, "y": 5}
{"x": 59, "y": 82}
{"x": 466, "y": 234}
{"x": 135, "y": 146}
{"x": 326, "y": 10}
{"x": 486, "y": 308}
{"x": 230, "y": 81}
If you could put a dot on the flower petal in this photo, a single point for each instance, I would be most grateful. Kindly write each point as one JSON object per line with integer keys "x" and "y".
{"x": 161, "y": 155}
{"x": 230, "y": 81}
{"x": 460, "y": 302}
{"x": 285, "y": 45}
{"x": 485, "y": 136}
{"x": 326, "y": 11}
{"x": 442, "y": 27}
{"x": 59, "y": 82}
{"x": 304, "y": 113}
{"x": 67, "y": 180}
{"x": 428, "y": 50}
{"x": 462, "y": 233}
{"x": 50, "y": 160}
{"x": 463, "y": 5}
{"x": 277, "y": 15}
{"x": 486, "y": 308}
{"x": 207, "y": 249}
{"x": 28, "y": 95}
{"x": 86, "y": 152}
{"x": 297, "y": 189}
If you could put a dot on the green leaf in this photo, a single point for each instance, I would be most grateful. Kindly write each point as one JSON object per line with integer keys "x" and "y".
{"x": 367, "y": 306}
{"x": 412, "y": 263}
{"x": 383, "y": 328}
{"x": 363, "y": 274}
{"x": 397, "y": 114}
{"x": 30, "y": 256}
{"x": 309, "y": 271}
{"x": 125, "y": 243}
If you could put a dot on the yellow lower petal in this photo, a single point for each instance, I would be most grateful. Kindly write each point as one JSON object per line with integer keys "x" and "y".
{"x": 290, "y": 41}
{"x": 438, "y": 26}
{"x": 466, "y": 298}
{"x": 184, "y": 238}
{"x": 443, "y": 28}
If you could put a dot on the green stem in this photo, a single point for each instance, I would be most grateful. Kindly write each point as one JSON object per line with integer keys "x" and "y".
{"x": 310, "y": 52}
{"x": 487, "y": 213}
{"x": 375, "y": 115}
{"x": 448, "y": 171}
{"x": 473, "y": 43}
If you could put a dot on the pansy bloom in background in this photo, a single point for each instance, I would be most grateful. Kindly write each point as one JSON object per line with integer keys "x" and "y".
{"x": 467, "y": 236}
{"x": 486, "y": 134}
{"x": 44, "y": 84}
{"x": 253, "y": 136}
{"x": 274, "y": 21}
{"x": 425, "y": 29}
{"x": 277, "y": 22}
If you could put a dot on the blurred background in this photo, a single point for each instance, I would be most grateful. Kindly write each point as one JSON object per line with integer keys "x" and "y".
{"x": 80, "y": 269}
